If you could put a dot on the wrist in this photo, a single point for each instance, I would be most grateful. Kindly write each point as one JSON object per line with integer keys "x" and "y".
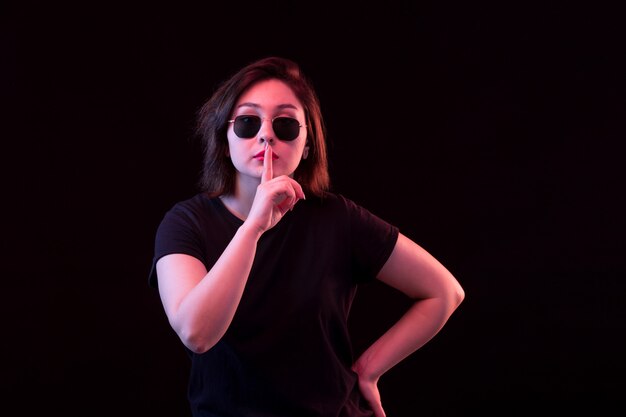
{"x": 250, "y": 231}
{"x": 365, "y": 369}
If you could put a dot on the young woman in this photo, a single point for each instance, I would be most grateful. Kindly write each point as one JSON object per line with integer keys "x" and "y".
{"x": 257, "y": 272}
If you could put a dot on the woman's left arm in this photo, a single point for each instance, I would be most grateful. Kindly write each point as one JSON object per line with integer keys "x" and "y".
{"x": 436, "y": 294}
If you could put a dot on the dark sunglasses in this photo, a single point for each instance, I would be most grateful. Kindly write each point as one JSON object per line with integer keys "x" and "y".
{"x": 285, "y": 128}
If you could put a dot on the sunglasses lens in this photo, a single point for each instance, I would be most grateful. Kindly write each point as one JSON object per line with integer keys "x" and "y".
{"x": 286, "y": 128}
{"x": 247, "y": 126}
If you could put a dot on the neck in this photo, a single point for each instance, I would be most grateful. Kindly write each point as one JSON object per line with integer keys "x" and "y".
{"x": 239, "y": 202}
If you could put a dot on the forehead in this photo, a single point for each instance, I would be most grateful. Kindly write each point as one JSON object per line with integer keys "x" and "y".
{"x": 270, "y": 94}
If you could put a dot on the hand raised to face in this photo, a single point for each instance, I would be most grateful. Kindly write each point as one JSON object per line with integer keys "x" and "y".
{"x": 274, "y": 196}
{"x": 268, "y": 169}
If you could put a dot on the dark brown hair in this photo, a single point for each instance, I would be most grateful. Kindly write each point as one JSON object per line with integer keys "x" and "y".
{"x": 218, "y": 173}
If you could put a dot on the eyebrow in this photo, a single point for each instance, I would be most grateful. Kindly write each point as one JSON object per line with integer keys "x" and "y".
{"x": 280, "y": 106}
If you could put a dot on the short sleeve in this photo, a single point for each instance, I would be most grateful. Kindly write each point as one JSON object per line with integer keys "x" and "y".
{"x": 373, "y": 240}
{"x": 178, "y": 232}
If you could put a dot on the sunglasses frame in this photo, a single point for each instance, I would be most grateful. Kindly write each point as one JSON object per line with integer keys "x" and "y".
{"x": 261, "y": 119}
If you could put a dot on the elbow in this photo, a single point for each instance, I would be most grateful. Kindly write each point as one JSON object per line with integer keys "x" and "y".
{"x": 457, "y": 295}
{"x": 194, "y": 339}
{"x": 196, "y": 345}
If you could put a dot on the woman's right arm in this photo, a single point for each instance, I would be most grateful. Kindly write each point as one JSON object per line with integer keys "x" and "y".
{"x": 200, "y": 304}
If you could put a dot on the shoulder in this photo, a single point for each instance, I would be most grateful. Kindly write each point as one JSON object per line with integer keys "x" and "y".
{"x": 346, "y": 205}
{"x": 341, "y": 211}
{"x": 328, "y": 208}
{"x": 195, "y": 202}
{"x": 193, "y": 210}
{"x": 196, "y": 206}
{"x": 335, "y": 201}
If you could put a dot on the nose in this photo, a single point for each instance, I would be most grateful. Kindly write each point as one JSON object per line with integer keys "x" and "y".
{"x": 266, "y": 132}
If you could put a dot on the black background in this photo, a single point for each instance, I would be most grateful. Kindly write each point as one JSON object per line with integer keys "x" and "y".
{"x": 489, "y": 132}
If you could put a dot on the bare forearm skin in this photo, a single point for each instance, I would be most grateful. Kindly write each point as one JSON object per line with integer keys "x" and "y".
{"x": 424, "y": 319}
{"x": 206, "y": 308}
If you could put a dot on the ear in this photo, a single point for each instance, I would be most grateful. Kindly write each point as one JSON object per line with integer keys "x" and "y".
{"x": 305, "y": 152}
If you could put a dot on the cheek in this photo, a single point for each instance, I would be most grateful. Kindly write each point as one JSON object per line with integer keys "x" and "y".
{"x": 294, "y": 159}
{"x": 239, "y": 153}
{"x": 235, "y": 155}
{"x": 235, "y": 146}
{"x": 232, "y": 150}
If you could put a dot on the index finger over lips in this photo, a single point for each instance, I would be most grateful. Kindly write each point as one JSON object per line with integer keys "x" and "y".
{"x": 268, "y": 171}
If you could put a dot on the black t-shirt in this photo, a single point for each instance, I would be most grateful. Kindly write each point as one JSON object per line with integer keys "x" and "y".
{"x": 287, "y": 351}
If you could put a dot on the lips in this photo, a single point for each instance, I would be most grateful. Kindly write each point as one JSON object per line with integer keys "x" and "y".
{"x": 261, "y": 155}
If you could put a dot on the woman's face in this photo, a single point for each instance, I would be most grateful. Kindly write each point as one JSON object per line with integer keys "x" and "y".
{"x": 267, "y": 100}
